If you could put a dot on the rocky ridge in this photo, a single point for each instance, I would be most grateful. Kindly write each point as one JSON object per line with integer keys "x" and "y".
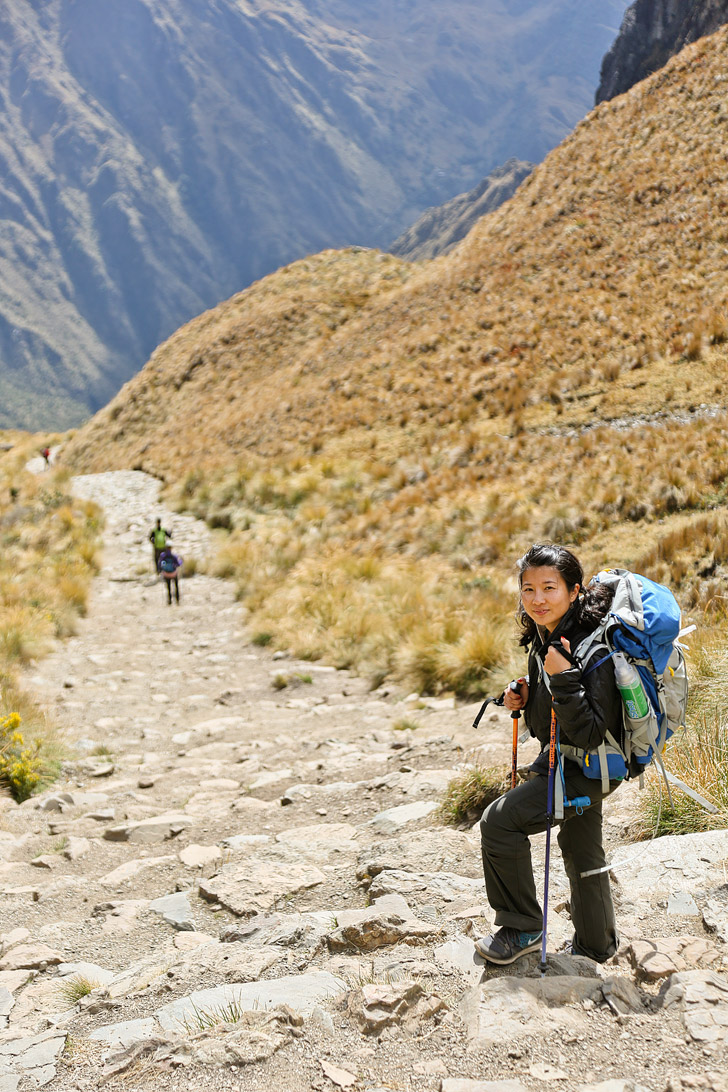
{"x": 240, "y": 878}
{"x": 438, "y": 229}
{"x": 652, "y": 31}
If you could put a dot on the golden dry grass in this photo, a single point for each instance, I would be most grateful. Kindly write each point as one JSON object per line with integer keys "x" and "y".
{"x": 382, "y": 439}
{"x": 47, "y": 558}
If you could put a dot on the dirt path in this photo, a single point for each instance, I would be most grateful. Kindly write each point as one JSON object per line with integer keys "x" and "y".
{"x": 267, "y": 818}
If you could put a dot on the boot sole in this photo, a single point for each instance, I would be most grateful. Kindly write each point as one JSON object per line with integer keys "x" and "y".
{"x": 500, "y": 962}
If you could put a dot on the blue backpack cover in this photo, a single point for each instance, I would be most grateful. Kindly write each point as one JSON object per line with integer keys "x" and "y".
{"x": 644, "y": 624}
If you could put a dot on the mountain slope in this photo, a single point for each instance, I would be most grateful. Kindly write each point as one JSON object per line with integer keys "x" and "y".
{"x": 609, "y": 258}
{"x": 383, "y": 439}
{"x": 158, "y": 156}
{"x": 652, "y": 31}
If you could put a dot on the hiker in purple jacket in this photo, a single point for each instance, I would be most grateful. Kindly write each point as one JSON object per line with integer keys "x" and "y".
{"x": 169, "y": 567}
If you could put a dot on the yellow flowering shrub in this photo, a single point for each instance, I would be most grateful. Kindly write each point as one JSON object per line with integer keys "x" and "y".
{"x": 20, "y": 763}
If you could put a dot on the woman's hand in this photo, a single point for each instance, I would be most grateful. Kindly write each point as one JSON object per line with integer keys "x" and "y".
{"x": 516, "y": 699}
{"x": 555, "y": 663}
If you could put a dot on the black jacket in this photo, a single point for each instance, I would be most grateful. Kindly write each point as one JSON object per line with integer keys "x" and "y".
{"x": 587, "y": 704}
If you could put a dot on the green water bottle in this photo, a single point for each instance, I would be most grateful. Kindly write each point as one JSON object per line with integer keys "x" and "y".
{"x": 630, "y": 687}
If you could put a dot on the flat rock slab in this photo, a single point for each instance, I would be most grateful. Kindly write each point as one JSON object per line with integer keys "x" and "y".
{"x": 196, "y": 856}
{"x": 125, "y": 1033}
{"x": 33, "y": 1057}
{"x": 257, "y": 885}
{"x": 615, "y": 1085}
{"x": 301, "y": 992}
{"x": 455, "y": 1084}
{"x": 702, "y": 998}
{"x": 682, "y": 904}
{"x": 219, "y": 725}
{"x": 393, "y": 819}
{"x": 157, "y": 828}
{"x": 90, "y": 971}
{"x": 337, "y": 837}
{"x": 510, "y": 1008}
{"x": 682, "y": 862}
{"x": 129, "y": 869}
{"x": 440, "y": 885}
{"x": 227, "y": 962}
{"x": 460, "y": 955}
{"x": 31, "y": 957}
{"x": 7, "y": 1003}
{"x": 175, "y": 909}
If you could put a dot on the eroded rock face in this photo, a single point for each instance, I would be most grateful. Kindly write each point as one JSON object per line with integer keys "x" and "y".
{"x": 702, "y": 999}
{"x": 652, "y": 31}
{"x": 377, "y": 1006}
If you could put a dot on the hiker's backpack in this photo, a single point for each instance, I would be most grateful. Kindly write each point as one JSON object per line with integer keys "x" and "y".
{"x": 644, "y": 624}
{"x": 167, "y": 563}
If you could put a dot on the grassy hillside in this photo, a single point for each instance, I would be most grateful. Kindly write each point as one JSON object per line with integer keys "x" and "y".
{"x": 48, "y": 556}
{"x": 382, "y": 439}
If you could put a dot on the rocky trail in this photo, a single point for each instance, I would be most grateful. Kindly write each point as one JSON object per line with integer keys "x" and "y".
{"x": 240, "y": 879}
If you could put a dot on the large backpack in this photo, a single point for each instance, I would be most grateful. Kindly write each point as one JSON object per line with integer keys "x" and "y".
{"x": 644, "y": 624}
{"x": 167, "y": 563}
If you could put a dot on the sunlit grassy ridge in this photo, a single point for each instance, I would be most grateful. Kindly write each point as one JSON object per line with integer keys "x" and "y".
{"x": 48, "y": 543}
{"x": 383, "y": 439}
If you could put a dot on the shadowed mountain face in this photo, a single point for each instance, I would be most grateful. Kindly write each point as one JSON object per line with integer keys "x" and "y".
{"x": 158, "y": 155}
{"x": 653, "y": 31}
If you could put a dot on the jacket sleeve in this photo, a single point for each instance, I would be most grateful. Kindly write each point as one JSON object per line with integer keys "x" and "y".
{"x": 587, "y": 705}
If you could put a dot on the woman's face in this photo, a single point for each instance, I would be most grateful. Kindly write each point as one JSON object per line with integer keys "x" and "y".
{"x": 545, "y": 595}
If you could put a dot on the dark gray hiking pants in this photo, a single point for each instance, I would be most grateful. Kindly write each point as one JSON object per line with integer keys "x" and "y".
{"x": 505, "y": 827}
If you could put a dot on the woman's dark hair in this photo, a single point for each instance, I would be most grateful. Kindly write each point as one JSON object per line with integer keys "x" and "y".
{"x": 590, "y": 605}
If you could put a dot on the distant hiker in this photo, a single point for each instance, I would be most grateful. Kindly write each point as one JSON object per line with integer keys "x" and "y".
{"x": 158, "y": 538}
{"x": 555, "y": 613}
{"x": 169, "y": 566}
{"x": 46, "y": 453}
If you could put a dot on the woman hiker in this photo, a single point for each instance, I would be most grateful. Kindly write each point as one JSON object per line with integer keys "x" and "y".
{"x": 555, "y": 613}
{"x": 170, "y": 566}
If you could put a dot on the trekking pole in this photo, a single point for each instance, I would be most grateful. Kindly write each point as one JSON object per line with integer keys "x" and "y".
{"x": 515, "y": 717}
{"x": 549, "y": 822}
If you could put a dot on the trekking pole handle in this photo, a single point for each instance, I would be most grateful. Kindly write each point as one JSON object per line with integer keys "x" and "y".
{"x": 515, "y": 686}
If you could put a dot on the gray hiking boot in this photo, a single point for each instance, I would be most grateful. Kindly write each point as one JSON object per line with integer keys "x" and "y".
{"x": 507, "y": 945}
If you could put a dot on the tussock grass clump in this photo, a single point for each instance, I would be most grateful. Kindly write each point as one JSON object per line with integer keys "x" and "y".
{"x": 74, "y": 987}
{"x": 699, "y": 755}
{"x": 232, "y": 1012}
{"x": 468, "y": 795}
{"x": 405, "y": 724}
{"x": 407, "y": 621}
